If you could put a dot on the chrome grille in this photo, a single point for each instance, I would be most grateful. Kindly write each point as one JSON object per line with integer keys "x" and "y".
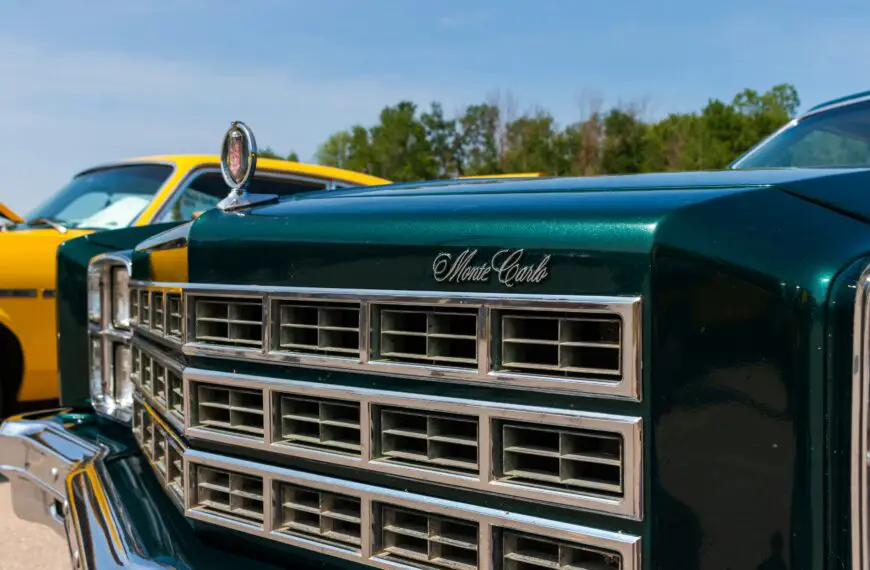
{"x": 330, "y": 425}
{"x": 237, "y": 322}
{"x": 228, "y": 493}
{"x": 569, "y": 343}
{"x": 174, "y": 315}
{"x": 575, "y": 344}
{"x": 159, "y": 380}
{"x": 521, "y": 551}
{"x": 434, "y": 335}
{"x": 442, "y": 441}
{"x": 229, "y": 410}
{"x": 330, "y": 329}
{"x": 320, "y": 516}
{"x": 423, "y": 540}
{"x": 570, "y": 458}
{"x": 162, "y": 451}
{"x": 158, "y": 310}
{"x": 386, "y": 528}
{"x": 542, "y": 456}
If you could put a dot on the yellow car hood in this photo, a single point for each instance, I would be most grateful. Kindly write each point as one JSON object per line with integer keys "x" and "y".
{"x": 27, "y": 257}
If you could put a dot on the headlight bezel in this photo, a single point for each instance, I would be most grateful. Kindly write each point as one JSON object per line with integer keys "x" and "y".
{"x": 110, "y": 381}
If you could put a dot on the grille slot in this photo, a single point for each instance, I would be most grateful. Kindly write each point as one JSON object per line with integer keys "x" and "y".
{"x": 426, "y": 541}
{"x": 174, "y": 393}
{"x": 162, "y": 383}
{"x": 175, "y": 469}
{"x": 561, "y": 458}
{"x": 427, "y": 335}
{"x": 174, "y": 318}
{"x": 433, "y": 440}
{"x": 145, "y": 309}
{"x": 569, "y": 344}
{"x": 232, "y": 410}
{"x": 230, "y": 322}
{"x": 329, "y": 329}
{"x": 136, "y": 365}
{"x": 228, "y": 493}
{"x": 521, "y": 551}
{"x": 326, "y": 424}
{"x": 321, "y": 516}
{"x": 162, "y": 451}
{"x": 158, "y": 310}
{"x": 134, "y": 305}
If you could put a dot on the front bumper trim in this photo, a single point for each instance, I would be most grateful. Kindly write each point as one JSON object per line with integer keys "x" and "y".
{"x": 58, "y": 479}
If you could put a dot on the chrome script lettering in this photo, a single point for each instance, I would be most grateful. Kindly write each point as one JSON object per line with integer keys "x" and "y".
{"x": 507, "y": 265}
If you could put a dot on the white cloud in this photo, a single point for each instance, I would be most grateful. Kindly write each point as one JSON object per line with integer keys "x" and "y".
{"x": 62, "y": 111}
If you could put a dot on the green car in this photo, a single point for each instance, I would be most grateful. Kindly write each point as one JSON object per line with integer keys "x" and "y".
{"x": 658, "y": 372}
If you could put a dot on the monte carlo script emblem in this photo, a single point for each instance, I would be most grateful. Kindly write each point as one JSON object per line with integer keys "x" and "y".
{"x": 508, "y": 266}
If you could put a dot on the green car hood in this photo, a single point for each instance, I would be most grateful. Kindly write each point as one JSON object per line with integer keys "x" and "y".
{"x": 600, "y": 233}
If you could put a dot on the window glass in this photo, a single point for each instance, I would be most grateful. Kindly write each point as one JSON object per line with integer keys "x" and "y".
{"x": 207, "y": 189}
{"x": 839, "y": 138}
{"x": 105, "y": 199}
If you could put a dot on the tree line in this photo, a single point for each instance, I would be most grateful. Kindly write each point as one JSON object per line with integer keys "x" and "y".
{"x": 409, "y": 143}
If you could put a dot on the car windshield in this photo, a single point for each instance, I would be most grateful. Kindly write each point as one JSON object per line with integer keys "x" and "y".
{"x": 838, "y": 138}
{"x": 103, "y": 199}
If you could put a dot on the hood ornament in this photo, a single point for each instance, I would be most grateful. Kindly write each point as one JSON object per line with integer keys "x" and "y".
{"x": 238, "y": 164}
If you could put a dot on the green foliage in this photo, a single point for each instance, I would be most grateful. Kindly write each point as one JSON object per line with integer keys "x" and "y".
{"x": 267, "y": 152}
{"x": 483, "y": 139}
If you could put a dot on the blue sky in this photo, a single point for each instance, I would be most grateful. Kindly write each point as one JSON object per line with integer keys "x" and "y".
{"x": 91, "y": 81}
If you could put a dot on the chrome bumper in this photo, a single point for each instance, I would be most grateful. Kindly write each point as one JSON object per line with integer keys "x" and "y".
{"x": 58, "y": 479}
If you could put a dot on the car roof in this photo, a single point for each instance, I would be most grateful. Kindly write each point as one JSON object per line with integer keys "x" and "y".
{"x": 188, "y": 161}
{"x": 840, "y": 101}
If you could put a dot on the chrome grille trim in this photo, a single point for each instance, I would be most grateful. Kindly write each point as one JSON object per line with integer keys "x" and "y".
{"x": 161, "y": 447}
{"x": 317, "y": 327}
{"x": 491, "y": 523}
{"x": 227, "y": 493}
{"x": 319, "y": 515}
{"x": 559, "y": 458}
{"x": 144, "y": 304}
{"x": 232, "y": 320}
{"x": 860, "y": 421}
{"x": 422, "y": 334}
{"x": 487, "y": 414}
{"x": 523, "y": 550}
{"x": 419, "y": 539}
{"x": 595, "y": 381}
{"x": 148, "y": 362}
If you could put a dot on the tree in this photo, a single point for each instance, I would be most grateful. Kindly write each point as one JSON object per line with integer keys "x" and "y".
{"x": 490, "y": 138}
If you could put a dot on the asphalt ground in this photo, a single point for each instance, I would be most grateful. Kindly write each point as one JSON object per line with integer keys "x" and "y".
{"x": 25, "y": 545}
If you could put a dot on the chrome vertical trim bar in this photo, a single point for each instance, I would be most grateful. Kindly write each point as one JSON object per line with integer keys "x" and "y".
{"x": 860, "y": 410}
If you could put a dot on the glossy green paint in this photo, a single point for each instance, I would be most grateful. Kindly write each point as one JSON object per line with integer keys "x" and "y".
{"x": 745, "y": 368}
{"x": 73, "y": 257}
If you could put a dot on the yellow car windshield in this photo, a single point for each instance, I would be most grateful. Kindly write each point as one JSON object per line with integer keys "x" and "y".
{"x": 107, "y": 198}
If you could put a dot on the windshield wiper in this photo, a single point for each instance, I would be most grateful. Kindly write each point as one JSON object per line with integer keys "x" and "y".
{"x": 48, "y": 222}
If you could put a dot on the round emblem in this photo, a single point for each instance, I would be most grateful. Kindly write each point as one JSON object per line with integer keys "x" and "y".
{"x": 239, "y": 155}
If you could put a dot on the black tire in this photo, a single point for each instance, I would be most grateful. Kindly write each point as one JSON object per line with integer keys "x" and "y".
{"x": 11, "y": 370}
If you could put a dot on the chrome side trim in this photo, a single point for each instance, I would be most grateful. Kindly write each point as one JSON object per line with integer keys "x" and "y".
{"x": 627, "y": 308}
{"x": 630, "y": 505}
{"x": 490, "y": 521}
{"x": 860, "y": 424}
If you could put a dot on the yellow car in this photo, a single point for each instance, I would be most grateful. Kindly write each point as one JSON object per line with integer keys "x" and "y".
{"x": 134, "y": 192}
